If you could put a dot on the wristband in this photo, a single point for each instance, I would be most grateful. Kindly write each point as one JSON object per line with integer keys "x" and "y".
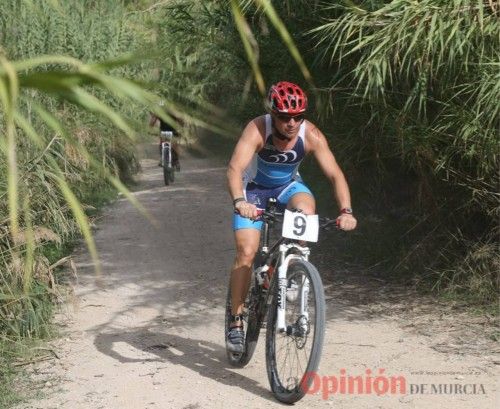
{"x": 346, "y": 210}
{"x": 238, "y": 199}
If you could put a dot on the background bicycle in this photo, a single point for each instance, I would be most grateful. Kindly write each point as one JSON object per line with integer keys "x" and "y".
{"x": 166, "y": 157}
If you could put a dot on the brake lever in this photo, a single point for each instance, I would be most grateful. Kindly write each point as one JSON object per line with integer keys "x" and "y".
{"x": 329, "y": 224}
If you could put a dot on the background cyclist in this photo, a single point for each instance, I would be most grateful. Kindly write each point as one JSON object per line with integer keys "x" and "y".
{"x": 166, "y": 127}
{"x": 265, "y": 164}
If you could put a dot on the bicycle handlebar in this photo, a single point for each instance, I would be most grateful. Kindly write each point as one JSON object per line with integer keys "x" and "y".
{"x": 276, "y": 216}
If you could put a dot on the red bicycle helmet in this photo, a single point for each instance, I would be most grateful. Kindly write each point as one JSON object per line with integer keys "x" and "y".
{"x": 287, "y": 98}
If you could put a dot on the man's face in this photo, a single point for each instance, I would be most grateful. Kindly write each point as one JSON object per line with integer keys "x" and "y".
{"x": 288, "y": 125}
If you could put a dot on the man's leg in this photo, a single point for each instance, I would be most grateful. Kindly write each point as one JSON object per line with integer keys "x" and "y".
{"x": 303, "y": 201}
{"x": 298, "y": 196}
{"x": 247, "y": 244}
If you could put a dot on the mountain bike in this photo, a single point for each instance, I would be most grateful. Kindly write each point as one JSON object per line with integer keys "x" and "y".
{"x": 288, "y": 288}
{"x": 166, "y": 157}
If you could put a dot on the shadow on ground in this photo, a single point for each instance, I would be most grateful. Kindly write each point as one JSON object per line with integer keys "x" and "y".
{"x": 203, "y": 357}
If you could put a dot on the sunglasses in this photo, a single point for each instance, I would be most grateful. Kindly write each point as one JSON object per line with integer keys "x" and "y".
{"x": 286, "y": 118}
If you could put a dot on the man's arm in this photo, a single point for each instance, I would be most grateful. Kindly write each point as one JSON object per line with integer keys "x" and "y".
{"x": 249, "y": 143}
{"x": 318, "y": 145}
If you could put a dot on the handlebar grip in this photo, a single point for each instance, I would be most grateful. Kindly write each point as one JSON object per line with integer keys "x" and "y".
{"x": 260, "y": 213}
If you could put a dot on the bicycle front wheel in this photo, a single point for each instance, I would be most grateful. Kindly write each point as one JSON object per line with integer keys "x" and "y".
{"x": 168, "y": 171}
{"x": 293, "y": 354}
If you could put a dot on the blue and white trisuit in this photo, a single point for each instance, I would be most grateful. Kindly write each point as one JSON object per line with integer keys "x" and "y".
{"x": 272, "y": 173}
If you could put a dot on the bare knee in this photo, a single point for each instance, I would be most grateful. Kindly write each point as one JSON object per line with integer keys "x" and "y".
{"x": 245, "y": 255}
{"x": 306, "y": 208}
{"x": 304, "y": 202}
{"x": 247, "y": 243}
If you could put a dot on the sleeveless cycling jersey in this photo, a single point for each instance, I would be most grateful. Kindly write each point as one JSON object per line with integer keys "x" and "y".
{"x": 271, "y": 167}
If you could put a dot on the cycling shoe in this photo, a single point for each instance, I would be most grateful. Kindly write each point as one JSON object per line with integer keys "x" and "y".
{"x": 235, "y": 341}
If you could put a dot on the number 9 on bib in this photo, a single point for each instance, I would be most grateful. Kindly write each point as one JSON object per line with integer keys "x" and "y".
{"x": 300, "y": 226}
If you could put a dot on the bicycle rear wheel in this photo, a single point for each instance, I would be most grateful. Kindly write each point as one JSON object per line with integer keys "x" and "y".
{"x": 253, "y": 314}
{"x": 292, "y": 355}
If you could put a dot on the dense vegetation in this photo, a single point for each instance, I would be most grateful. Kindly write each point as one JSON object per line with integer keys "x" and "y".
{"x": 407, "y": 93}
{"x": 64, "y": 147}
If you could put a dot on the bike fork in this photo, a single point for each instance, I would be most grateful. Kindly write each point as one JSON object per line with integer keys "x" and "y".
{"x": 281, "y": 325}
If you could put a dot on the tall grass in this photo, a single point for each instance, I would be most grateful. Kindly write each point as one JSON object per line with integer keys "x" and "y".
{"x": 428, "y": 75}
{"x": 67, "y": 132}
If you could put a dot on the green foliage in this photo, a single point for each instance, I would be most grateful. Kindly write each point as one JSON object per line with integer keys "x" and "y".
{"x": 198, "y": 55}
{"x": 8, "y": 396}
{"x": 70, "y": 98}
{"x": 66, "y": 141}
{"x": 426, "y": 75}
{"x": 15, "y": 385}
{"x": 26, "y": 314}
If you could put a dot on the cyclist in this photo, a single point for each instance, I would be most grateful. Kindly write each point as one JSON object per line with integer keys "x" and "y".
{"x": 167, "y": 127}
{"x": 265, "y": 164}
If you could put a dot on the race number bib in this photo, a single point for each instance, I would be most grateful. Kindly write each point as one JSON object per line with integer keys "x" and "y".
{"x": 300, "y": 226}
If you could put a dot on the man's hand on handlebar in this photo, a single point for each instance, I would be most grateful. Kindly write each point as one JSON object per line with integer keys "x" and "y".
{"x": 246, "y": 209}
{"x": 346, "y": 222}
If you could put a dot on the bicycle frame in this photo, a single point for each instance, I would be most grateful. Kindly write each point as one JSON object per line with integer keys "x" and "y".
{"x": 166, "y": 146}
{"x": 278, "y": 253}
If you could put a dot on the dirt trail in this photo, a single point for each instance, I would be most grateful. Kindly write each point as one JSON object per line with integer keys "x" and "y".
{"x": 150, "y": 335}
